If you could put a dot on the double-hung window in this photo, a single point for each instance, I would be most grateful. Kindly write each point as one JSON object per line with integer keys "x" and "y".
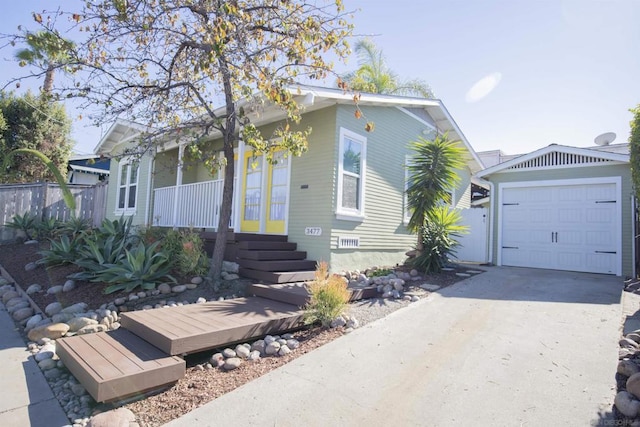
{"x": 351, "y": 176}
{"x": 127, "y": 186}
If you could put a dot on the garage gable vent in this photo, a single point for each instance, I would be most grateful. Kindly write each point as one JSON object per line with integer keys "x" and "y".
{"x": 348, "y": 242}
{"x": 558, "y": 159}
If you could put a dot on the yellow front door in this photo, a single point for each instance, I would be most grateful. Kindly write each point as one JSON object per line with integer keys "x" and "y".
{"x": 251, "y": 194}
{"x": 277, "y": 191}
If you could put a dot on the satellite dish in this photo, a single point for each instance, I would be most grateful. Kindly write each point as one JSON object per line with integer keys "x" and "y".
{"x": 605, "y": 139}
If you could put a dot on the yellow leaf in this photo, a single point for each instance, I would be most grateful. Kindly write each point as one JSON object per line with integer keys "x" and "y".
{"x": 38, "y": 18}
{"x": 358, "y": 114}
{"x": 76, "y": 17}
{"x": 369, "y": 127}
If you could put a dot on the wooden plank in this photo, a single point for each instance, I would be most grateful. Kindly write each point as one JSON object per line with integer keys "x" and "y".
{"x": 268, "y": 246}
{"x": 275, "y": 265}
{"x": 117, "y": 364}
{"x": 277, "y": 277}
{"x": 271, "y": 255}
{"x": 218, "y": 323}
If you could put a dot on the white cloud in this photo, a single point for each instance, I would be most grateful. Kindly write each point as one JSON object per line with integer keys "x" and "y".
{"x": 483, "y": 87}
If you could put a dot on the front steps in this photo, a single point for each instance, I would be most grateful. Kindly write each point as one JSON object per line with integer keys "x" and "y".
{"x": 271, "y": 258}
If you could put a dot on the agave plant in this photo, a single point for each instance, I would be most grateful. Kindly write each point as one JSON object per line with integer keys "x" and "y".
{"x": 48, "y": 228}
{"x": 63, "y": 251}
{"x": 25, "y": 223}
{"x": 97, "y": 254}
{"x": 141, "y": 267}
{"x": 76, "y": 226}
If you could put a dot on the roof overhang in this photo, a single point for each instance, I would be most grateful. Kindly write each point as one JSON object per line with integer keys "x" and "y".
{"x": 87, "y": 169}
{"x": 311, "y": 98}
{"x": 586, "y": 155}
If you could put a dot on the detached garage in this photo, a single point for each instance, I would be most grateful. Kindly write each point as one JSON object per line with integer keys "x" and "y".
{"x": 563, "y": 208}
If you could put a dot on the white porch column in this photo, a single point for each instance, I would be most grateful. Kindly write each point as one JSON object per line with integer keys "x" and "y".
{"x": 237, "y": 189}
{"x": 178, "y": 185}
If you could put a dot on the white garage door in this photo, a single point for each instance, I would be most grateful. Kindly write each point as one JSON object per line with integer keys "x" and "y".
{"x": 564, "y": 227}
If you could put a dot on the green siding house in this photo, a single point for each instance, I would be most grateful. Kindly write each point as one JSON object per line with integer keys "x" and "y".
{"x": 342, "y": 202}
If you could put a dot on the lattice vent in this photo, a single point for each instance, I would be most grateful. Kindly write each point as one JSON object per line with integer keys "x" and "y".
{"x": 558, "y": 159}
{"x": 348, "y": 242}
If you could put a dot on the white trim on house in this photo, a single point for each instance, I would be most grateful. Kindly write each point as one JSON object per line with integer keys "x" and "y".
{"x": 617, "y": 180}
{"x": 582, "y": 157}
{"x": 342, "y": 212}
{"x": 127, "y": 210}
{"x": 415, "y": 117}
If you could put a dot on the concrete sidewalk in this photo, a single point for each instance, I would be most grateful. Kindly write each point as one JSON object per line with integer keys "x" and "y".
{"x": 509, "y": 347}
{"x": 25, "y": 396}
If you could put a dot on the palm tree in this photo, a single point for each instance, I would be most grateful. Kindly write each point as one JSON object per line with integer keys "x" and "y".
{"x": 48, "y": 51}
{"x": 432, "y": 175}
{"x": 374, "y": 76}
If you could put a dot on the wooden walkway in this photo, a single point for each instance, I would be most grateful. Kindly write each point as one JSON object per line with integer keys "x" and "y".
{"x": 198, "y": 327}
{"x": 142, "y": 354}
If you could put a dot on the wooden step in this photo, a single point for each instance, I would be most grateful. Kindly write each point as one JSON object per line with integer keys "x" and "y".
{"x": 117, "y": 364}
{"x": 277, "y": 277}
{"x": 270, "y": 255}
{"x": 242, "y": 237}
{"x": 290, "y": 293}
{"x": 198, "y": 327}
{"x": 278, "y": 265}
{"x": 267, "y": 245}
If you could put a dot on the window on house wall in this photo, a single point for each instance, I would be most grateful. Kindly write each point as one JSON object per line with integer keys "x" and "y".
{"x": 128, "y": 185}
{"x": 351, "y": 175}
{"x": 449, "y": 199}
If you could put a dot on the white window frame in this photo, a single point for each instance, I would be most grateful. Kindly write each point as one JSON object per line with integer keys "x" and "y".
{"x": 406, "y": 212}
{"x": 127, "y": 162}
{"x": 342, "y": 212}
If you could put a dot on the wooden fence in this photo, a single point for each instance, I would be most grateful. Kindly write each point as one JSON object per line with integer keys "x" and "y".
{"x": 45, "y": 200}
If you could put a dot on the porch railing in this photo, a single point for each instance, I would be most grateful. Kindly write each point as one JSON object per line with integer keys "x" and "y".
{"x": 198, "y": 205}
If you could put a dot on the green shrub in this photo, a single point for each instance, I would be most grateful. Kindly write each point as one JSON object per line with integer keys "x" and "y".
{"x": 329, "y": 296}
{"x": 142, "y": 267}
{"x": 184, "y": 247}
{"x": 381, "y": 272}
{"x": 438, "y": 237}
{"x": 64, "y": 251}
{"x": 97, "y": 253}
{"x": 25, "y": 223}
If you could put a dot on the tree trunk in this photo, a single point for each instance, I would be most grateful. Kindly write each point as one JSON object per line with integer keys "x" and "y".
{"x": 228, "y": 135}
{"x": 225, "y": 216}
{"x": 47, "y": 87}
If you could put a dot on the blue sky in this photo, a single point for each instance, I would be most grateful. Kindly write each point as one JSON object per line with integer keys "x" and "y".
{"x": 516, "y": 75}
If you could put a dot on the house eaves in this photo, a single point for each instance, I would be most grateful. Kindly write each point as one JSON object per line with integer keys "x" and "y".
{"x": 120, "y": 131}
{"x": 544, "y": 158}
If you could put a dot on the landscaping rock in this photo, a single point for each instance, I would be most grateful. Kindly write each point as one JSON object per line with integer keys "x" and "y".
{"x": 33, "y": 322}
{"x": 196, "y": 280}
{"x": 121, "y": 417}
{"x": 53, "y": 308}
{"x": 52, "y": 331}
{"x": 32, "y": 289}
{"x": 22, "y": 314}
{"x": 284, "y": 350}
{"x": 626, "y": 404}
{"x": 254, "y": 355}
{"x": 415, "y": 298}
{"x": 217, "y": 359}
{"x": 9, "y": 295}
{"x": 53, "y": 374}
{"x": 90, "y": 329}
{"x": 633, "y": 385}
{"x": 46, "y": 352}
{"x": 272, "y": 348}
{"x": 47, "y": 364}
{"x": 338, "y": 321}
{"x": 54, "y": 290}
{"x": 293, "y": 343}
{"x": 179, "y": 288}
{"x": 627, "y": 343}
{"x": 228, "y": 353}
{"x": 627, "y": 368}
{"x": 232, "y": 363}
{"x": 30, "y": 266}
{"x": 634, "y": 336}
{"x": 230, "y": 267}
{"x": 462, "y": 274}
{"x": 15, "y": 304}
{"x": 119, "y": 301}
{"x": 430, "y": 288}
{"x": 75, "y": 308}
{"x": 78, "y": 323}
{"x": 352, "y": 322}
{"x": 242, "y": 351}
{"x": 201, "y": 300}
{"x": 164, "y": 288}
{"x": 191, "y": 286}
{"x": 68, "y": 286}
{"x": 258, "y": 346}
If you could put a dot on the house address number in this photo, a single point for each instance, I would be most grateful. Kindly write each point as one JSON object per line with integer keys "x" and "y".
{"x": 313, "y": 231}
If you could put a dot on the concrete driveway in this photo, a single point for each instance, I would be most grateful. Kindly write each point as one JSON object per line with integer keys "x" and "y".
{"x": 510, "y": 347}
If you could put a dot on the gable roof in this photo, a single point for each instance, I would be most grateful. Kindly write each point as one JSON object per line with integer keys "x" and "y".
{"x": 556, "y": 156}
{"x": 312, "y": 98}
